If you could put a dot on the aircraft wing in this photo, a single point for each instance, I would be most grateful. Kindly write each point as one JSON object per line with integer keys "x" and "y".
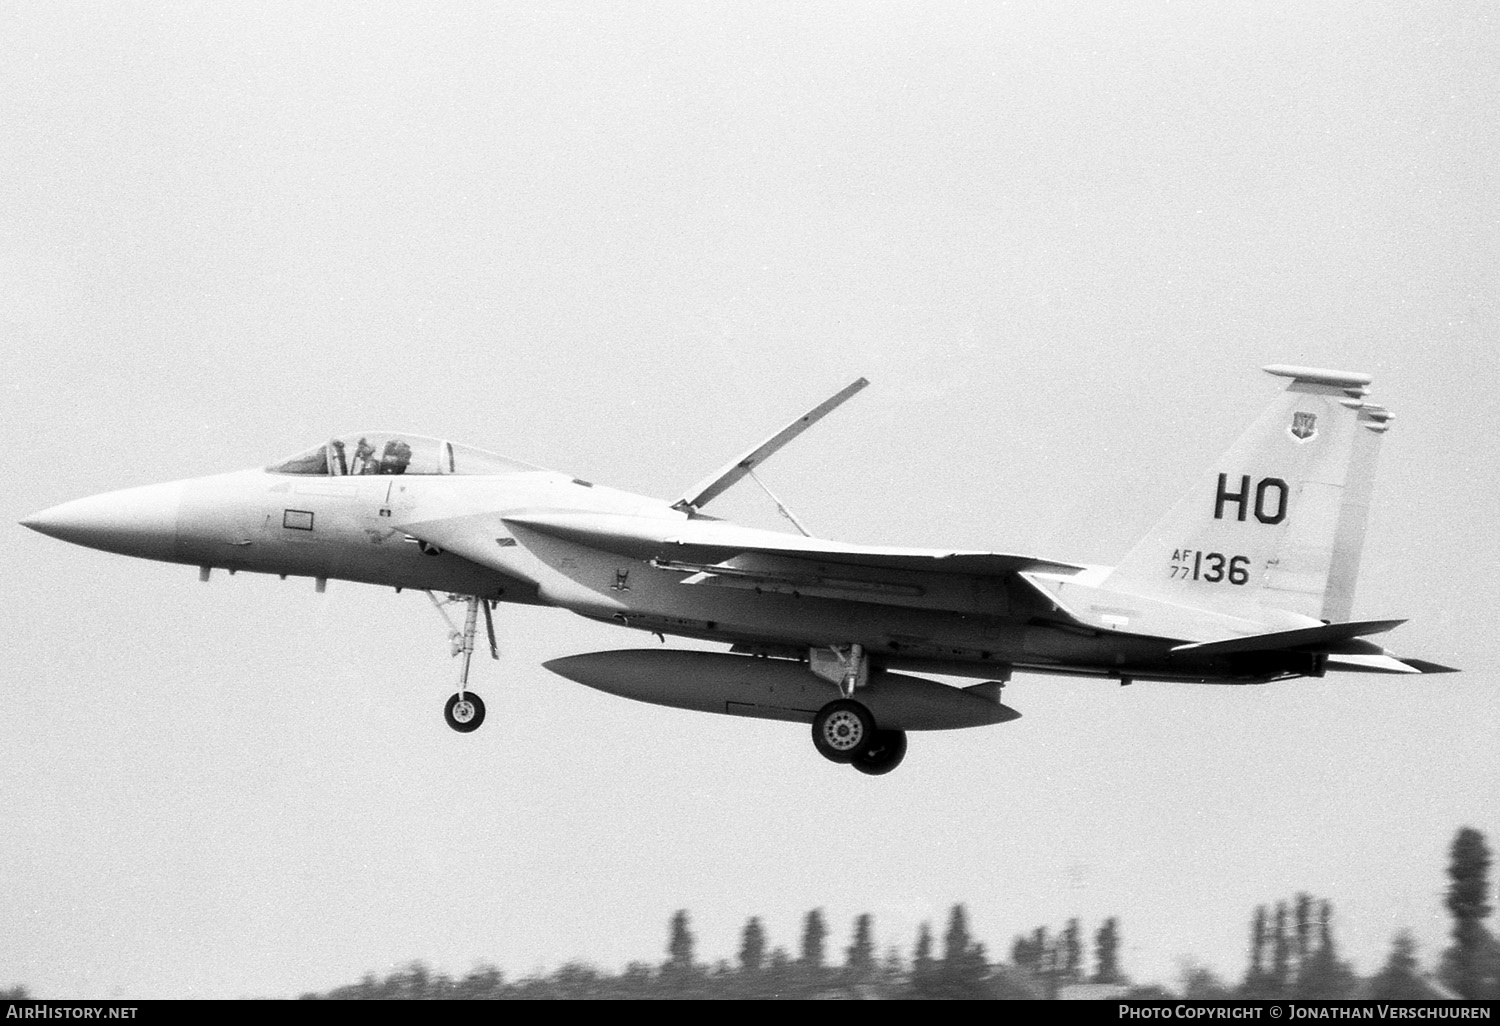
{"x": 713, "y": 552}
{"x": 708, "y": 543}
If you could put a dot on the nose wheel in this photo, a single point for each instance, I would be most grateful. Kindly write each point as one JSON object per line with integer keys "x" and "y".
{"x": 464, "y": 712}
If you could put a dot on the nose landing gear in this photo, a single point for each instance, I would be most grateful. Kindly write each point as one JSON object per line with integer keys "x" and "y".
{"x": 465, "y": 711}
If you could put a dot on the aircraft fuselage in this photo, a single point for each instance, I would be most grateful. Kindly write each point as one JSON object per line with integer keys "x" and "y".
{"x": 347, "y": 528}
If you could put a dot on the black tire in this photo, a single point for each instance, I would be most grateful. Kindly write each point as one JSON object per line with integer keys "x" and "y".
{"x": 842, "y": 730}
{"x": 884, "y": 753}
{"x": 464, "y": 721}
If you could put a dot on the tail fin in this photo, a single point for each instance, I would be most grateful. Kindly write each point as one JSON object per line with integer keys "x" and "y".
{"x": 1279, "y": 522}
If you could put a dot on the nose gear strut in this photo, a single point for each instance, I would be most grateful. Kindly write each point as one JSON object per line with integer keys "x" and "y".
{"x": 465, "y": 711}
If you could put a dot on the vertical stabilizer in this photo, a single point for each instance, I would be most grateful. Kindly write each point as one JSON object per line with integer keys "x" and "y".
{"x": 1279, "y": 522}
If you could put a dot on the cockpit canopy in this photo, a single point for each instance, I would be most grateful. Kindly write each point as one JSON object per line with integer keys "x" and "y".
{"x": 385, "y": 452}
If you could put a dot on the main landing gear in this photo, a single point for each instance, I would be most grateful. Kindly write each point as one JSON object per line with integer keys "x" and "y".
{"x": 884, "y": 754}
{"x": 844, "y": 730}
{"x": 465, "y": 711}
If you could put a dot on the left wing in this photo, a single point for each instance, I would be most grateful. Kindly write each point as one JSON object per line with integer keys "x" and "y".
{"x": 717, "y": 553}
{"x": 705, "y": 545}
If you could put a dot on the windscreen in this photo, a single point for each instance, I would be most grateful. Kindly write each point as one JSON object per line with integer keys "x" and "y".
{"x": 385, "y": 452}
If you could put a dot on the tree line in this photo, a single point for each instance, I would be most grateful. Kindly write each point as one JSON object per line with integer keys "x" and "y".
{"x": 1292, "y": 953}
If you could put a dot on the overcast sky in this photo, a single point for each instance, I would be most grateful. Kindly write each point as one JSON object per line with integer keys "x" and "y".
{"x": 627, "y": 242}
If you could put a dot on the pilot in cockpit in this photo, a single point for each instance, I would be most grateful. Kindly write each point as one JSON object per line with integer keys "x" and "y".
{"x": 395, "y": 458}
{"x": 385, "y": 453}
{"x": 362, "y": 463}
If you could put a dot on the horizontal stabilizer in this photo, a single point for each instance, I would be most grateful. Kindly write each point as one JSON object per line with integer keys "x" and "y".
{"x": 1425, "y": 666}
{"x": 1303, "y": 637}
{"x": 1370, "y": 664}
{"x": 1385, "y": 664}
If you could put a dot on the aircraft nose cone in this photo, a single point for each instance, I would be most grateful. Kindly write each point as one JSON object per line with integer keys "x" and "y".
{"x": 133, "y": 522}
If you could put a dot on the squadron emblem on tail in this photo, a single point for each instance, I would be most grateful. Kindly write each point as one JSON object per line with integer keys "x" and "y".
{"x": 1304, "y": 426}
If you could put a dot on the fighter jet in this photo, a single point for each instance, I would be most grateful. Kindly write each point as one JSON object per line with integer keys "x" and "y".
{"x": 1248, "y": 579}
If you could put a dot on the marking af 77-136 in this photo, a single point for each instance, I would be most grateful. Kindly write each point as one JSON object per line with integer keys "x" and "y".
{"x": 1248, "y": 579}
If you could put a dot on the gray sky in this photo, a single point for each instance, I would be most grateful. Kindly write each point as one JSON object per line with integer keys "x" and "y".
{"x": 627, "y": 242}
